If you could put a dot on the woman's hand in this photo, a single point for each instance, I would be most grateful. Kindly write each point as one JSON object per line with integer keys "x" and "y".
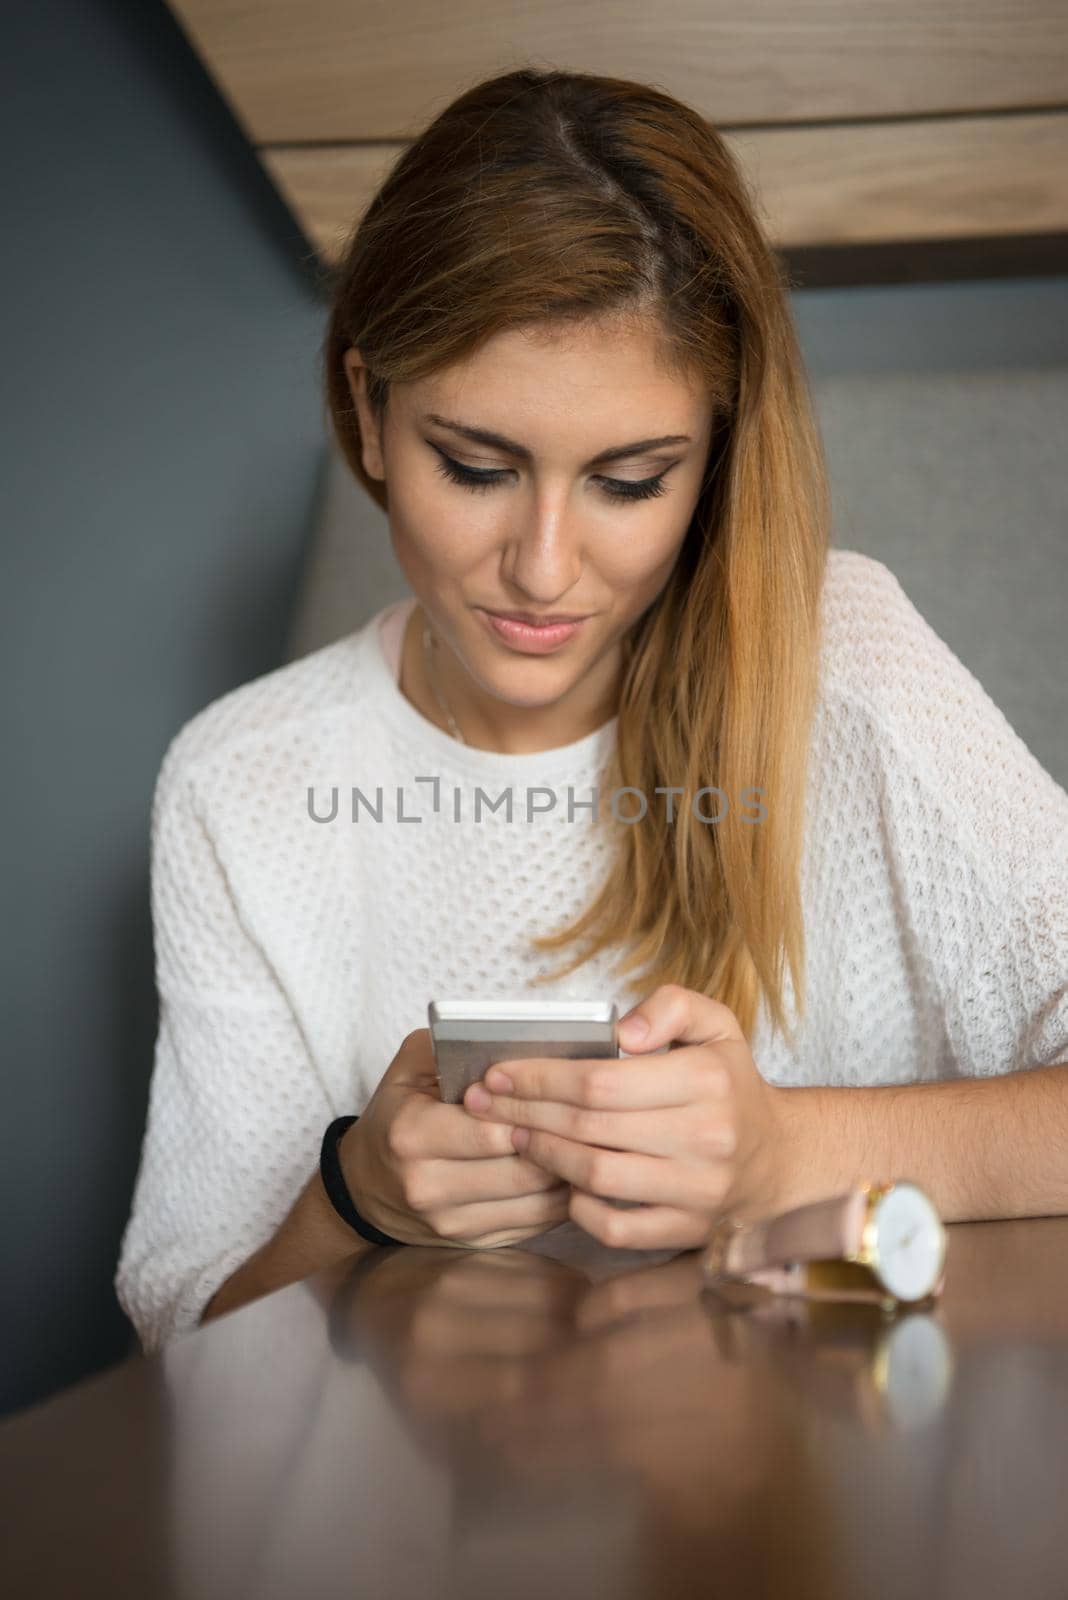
{"x": 695, "y": 1134}
{"x": 428, "y": 1173}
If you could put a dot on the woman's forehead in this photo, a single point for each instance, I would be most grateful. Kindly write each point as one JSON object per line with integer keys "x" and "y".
{"x": 616, "y": 385}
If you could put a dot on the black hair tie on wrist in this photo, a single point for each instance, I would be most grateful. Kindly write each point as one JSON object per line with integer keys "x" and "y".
{"x": 337, "y": 1189}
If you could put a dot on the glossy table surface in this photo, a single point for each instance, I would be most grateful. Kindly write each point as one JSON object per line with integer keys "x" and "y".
{"x": 563, "y": 1419}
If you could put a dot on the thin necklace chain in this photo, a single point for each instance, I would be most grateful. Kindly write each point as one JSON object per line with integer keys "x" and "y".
{"x": 428, "y": 642}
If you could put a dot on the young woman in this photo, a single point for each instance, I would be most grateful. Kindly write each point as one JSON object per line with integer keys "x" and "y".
{"x": 834, "y": 880}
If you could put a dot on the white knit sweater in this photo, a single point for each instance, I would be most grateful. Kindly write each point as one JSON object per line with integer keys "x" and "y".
{"x": 294, "y": 955}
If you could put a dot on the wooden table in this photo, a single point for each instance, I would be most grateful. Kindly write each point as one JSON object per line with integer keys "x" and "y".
{"x": 564, "y": 1420}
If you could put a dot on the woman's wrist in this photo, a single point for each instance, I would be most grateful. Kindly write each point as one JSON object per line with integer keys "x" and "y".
{"x": 346, "y": 1161}
{"x": 311, "y": 1237}
{"x": 334, "y": 1230}
{"x": 349, "y": 1154}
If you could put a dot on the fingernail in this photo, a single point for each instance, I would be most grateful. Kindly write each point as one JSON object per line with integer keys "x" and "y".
{"x": 635, "y": 1027}
{"x": 476, "y": 1098}
{"x": 520, "y": 1138}
{"x": 499, "y": 1081}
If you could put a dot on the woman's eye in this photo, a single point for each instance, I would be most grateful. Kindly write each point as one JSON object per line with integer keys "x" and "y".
{"x": 468, "y": 476}
{"x": 623, "y": 489}
{"x": 480, "y": 479}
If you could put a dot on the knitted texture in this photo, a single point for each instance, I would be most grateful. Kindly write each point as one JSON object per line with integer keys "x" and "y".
{"x": 295, "y": 952}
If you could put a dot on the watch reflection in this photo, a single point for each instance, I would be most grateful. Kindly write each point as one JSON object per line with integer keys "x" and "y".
{"x": 888, "y": 1371}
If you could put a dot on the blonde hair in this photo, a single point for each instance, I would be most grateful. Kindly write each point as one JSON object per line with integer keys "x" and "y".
{"x": 547, "y": 196}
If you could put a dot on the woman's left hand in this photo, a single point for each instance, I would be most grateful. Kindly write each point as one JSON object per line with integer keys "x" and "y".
{"x": 696, "y": 1134}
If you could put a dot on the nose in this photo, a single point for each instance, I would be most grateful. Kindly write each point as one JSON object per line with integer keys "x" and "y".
{"x": 544, "y": 551}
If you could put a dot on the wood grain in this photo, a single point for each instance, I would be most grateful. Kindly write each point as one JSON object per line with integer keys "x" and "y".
{"x": 335, "y": 71}
{"x": 864, "y": 124}
{"x": 933, "y": 180}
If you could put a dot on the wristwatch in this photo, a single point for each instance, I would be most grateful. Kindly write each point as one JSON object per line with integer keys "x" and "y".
{"x": 878, "y": 1241}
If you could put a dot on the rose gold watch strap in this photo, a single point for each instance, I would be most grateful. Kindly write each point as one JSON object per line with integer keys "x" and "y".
{"x": 821, "y": 1231}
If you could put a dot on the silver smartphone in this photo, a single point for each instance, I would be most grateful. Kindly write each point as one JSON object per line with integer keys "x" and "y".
{"x": 468, "y": 1036}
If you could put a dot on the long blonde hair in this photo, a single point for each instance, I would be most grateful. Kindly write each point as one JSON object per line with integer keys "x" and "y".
{"x": 540, "y": 196}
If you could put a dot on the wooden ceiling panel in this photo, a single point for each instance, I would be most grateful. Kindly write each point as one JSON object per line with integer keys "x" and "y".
{"x": 952, "y": 178}
{"x": 863, "y": 123}
{"x": 338, "y": 71}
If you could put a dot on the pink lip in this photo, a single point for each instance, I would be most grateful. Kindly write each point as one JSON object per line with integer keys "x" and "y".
{"x": 532, "y": 641}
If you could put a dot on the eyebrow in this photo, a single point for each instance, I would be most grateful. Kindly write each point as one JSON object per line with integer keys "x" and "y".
{"x": 484, "y": 436}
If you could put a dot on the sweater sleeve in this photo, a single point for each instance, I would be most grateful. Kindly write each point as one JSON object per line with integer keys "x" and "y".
{"x": 1008, "y": 1008}
{"x": 978, "y": 832}
{"x": 236, "y": 1109}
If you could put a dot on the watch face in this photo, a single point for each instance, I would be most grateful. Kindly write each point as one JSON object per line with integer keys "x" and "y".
{"x": 910, "y": 1242}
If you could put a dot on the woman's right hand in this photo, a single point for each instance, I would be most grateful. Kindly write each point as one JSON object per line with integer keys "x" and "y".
{"x": 430, "y": 1173}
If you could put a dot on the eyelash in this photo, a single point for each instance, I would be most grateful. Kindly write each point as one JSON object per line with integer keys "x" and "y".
{"x": 479, "y": 481}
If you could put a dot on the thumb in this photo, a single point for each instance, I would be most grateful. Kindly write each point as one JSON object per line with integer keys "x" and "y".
{"x": 675, "y": 1015}
{"x": 414, "y": 1062}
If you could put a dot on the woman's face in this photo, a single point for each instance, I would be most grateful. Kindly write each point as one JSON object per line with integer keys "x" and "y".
{"x": 549, "y": 530}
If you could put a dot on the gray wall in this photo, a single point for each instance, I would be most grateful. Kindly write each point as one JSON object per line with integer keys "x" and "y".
{"x": 174, "y": 526}
{"x": 943, "y": 413}
{"x": 162, "y": 448}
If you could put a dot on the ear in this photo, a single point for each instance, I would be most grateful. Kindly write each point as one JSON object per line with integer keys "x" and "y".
{"x": 370, "y": 434}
